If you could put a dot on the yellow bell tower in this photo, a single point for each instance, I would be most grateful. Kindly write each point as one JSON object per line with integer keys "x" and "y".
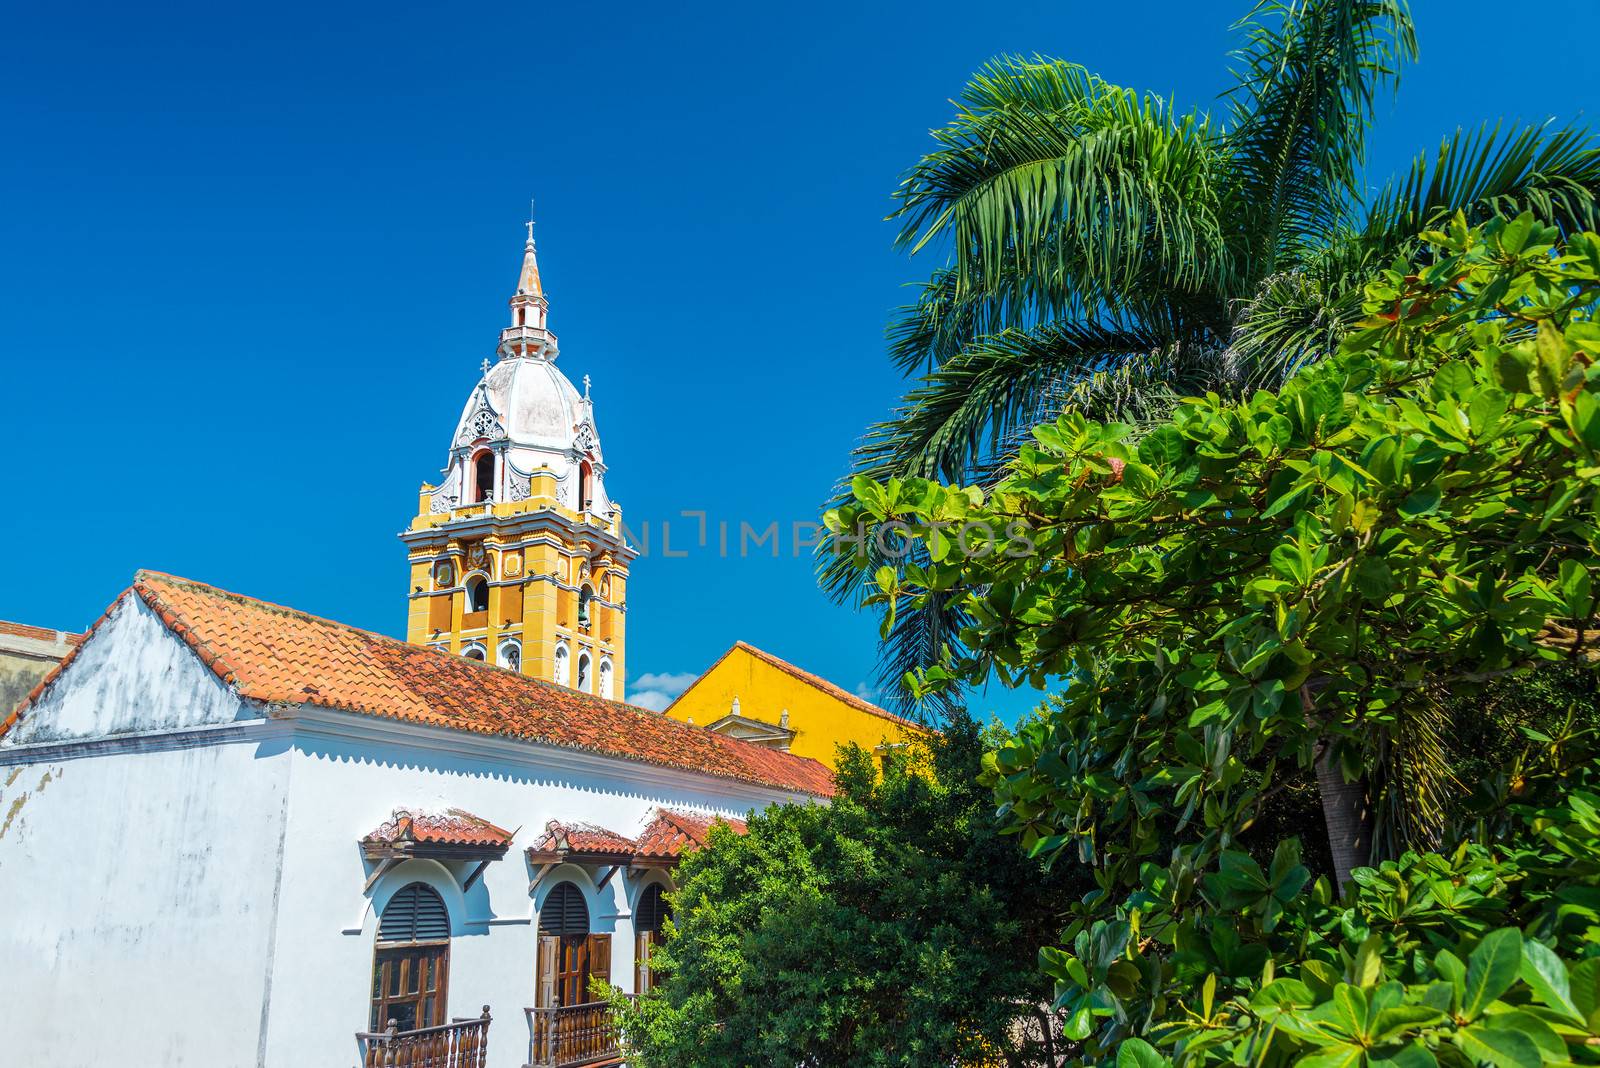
{"x": 517, "y": 556}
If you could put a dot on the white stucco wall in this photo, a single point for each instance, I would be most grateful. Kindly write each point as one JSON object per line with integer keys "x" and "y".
{"x": 137, "y": 882}
{"x": 350, "y": 773}
{"x": 181, "y": 881}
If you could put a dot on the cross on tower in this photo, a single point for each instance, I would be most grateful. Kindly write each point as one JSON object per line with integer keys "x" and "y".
{"x": 530, "y": 220}
{"x": 585, "y": 387}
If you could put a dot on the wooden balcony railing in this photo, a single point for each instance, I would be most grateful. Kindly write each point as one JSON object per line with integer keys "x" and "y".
{"x": 571, "y": 1035}
{"x": 462, "y": 1043}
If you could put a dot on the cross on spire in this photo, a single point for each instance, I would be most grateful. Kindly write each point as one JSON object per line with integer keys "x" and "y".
{"x": 529, "y": 223}
{"x": 585, "y": 387}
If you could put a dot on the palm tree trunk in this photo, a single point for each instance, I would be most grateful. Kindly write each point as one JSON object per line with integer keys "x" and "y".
{"x": 1346, "y": 815}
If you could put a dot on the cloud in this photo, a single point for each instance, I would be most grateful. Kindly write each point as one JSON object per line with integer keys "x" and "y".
{"x": 866, "y": 693}
{"x": 656, "y": 690}
{"x": 654, "y": 700}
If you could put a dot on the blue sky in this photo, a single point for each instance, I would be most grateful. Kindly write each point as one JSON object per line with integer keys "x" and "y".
{"x": 251, "y": 259}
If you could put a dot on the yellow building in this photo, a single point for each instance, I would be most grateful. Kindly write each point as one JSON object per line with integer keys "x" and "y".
{"x": 753, "y": 695}
{"x": 517, "y": 556}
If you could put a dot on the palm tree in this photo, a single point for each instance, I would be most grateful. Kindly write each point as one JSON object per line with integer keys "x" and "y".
{"x": 1109, "y": 252}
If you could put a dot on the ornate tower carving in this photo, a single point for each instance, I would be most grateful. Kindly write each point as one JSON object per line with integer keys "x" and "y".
{"x": 517, "y": 556}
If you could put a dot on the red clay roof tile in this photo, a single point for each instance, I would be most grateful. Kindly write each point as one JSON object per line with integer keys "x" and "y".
{"x": 670, "y": 832}
{"x": 278, "y": 655}
{"x": 450, "y": 827}
{"x": 565, "y": 838}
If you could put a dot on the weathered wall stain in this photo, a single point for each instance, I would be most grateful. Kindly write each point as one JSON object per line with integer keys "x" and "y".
{"x": 17, "y": 803}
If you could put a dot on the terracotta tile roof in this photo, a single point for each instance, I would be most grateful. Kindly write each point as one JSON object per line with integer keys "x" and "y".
{"x": 278, "y": 655}
{"x": 450, "y": 827}
{"x": 809, "y": 679}
{"x": 670, "y": 832}
{"x": 563, "y": 838}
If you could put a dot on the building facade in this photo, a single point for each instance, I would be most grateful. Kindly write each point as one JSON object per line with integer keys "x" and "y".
{"x": 516, "y": 556}
{"x": 237, "y": 834}
{"x": 755, "y": 696}
{"x": 27, "y": 654}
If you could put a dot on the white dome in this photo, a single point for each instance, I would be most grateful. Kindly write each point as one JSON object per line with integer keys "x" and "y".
{"x": 530, "y": 416}
{"x": 537, "y": 406}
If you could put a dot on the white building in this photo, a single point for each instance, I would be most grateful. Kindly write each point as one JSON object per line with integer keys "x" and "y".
{"x": 236, "y": 834}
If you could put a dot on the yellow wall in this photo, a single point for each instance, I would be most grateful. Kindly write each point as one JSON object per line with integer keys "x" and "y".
{"x": 821, "y": 720}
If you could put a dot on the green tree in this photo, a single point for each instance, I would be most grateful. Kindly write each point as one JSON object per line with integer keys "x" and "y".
{"x": 1308, "y": 579}
{"x": 894, "y": 926}
{"x": 1109, "y": 251}
{"x": 1298, "y": 576}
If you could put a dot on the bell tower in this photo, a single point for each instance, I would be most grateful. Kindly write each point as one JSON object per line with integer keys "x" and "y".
{"x": 517, "y": 555}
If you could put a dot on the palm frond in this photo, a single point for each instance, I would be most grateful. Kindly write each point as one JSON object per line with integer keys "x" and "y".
{"x": 957, "y": 419}
{"x": 919, "y": 638}
{"x": 1410, "y": 781}
{"x": 1554, "y": 173}
{"x": 1307, "y": 75}
{"x": 1067, "y": 192}
{"x": 1300, "y": 315}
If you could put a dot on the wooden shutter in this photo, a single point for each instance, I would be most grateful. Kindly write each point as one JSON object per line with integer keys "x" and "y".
{"x": 545, "y": 990}
{"x": 652, "y": 912}
{"x": 416, "y": 913}
{"x": 564, "y": 912}
{"x": 599, "y": 952}
{"x": 641, "y": 962}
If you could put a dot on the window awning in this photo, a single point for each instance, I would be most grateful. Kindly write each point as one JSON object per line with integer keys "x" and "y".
{"x": 581, "y": 843}
{"x": 449, "y": 835}
{"x": 668, "y": 833}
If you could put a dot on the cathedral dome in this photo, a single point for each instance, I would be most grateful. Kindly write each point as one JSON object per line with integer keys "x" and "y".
{"x": 537, "y": 407}
{"x": 524, "y": 416}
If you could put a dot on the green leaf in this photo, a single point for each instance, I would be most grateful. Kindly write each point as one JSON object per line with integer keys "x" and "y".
{"x": 1368, "y": 966}
{"x": 1423, "y": 501}
{"x": 1501, "y": 1049}
{"x": 1411, "y": 1056}
{"x": 1079, "y": 1023}
{"x": 1137, "y": 1053}
{"x": 1541, "y": 1034}
{"x": 1343, "y": 1055}
{"x": 1546, "y": 976}
{"x": 1391, "y": 1022}
{"x": 1491, "y": 970}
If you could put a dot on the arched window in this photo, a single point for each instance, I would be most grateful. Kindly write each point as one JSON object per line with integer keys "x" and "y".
{"x": 568, "y": 954}
{"x": 477, "y": 594}
{"x": 585, "y": 485}
{"x": 583, "y": 672}
{"x": 585, "y": 609}
{"x": 474, "y": 652}
{"x": 605, "y": 678}
{"x": 411, "y": 961}
{"x": 483, "y": 476}
{"x": 510, "y": 656}
{"x": 653, "y": 910}
{"x": 649, "y": 920}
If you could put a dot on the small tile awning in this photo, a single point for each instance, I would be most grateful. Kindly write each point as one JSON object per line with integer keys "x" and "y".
{"x": 453, "y": 834}
{"x": 581, "y": 843}
{"x": 667, "y": 835}
{"x": 671, "y": 832}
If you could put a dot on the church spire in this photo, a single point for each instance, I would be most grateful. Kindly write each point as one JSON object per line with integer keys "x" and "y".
{"x": 528, "y": 282}
{"x": 529, "y": 333}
